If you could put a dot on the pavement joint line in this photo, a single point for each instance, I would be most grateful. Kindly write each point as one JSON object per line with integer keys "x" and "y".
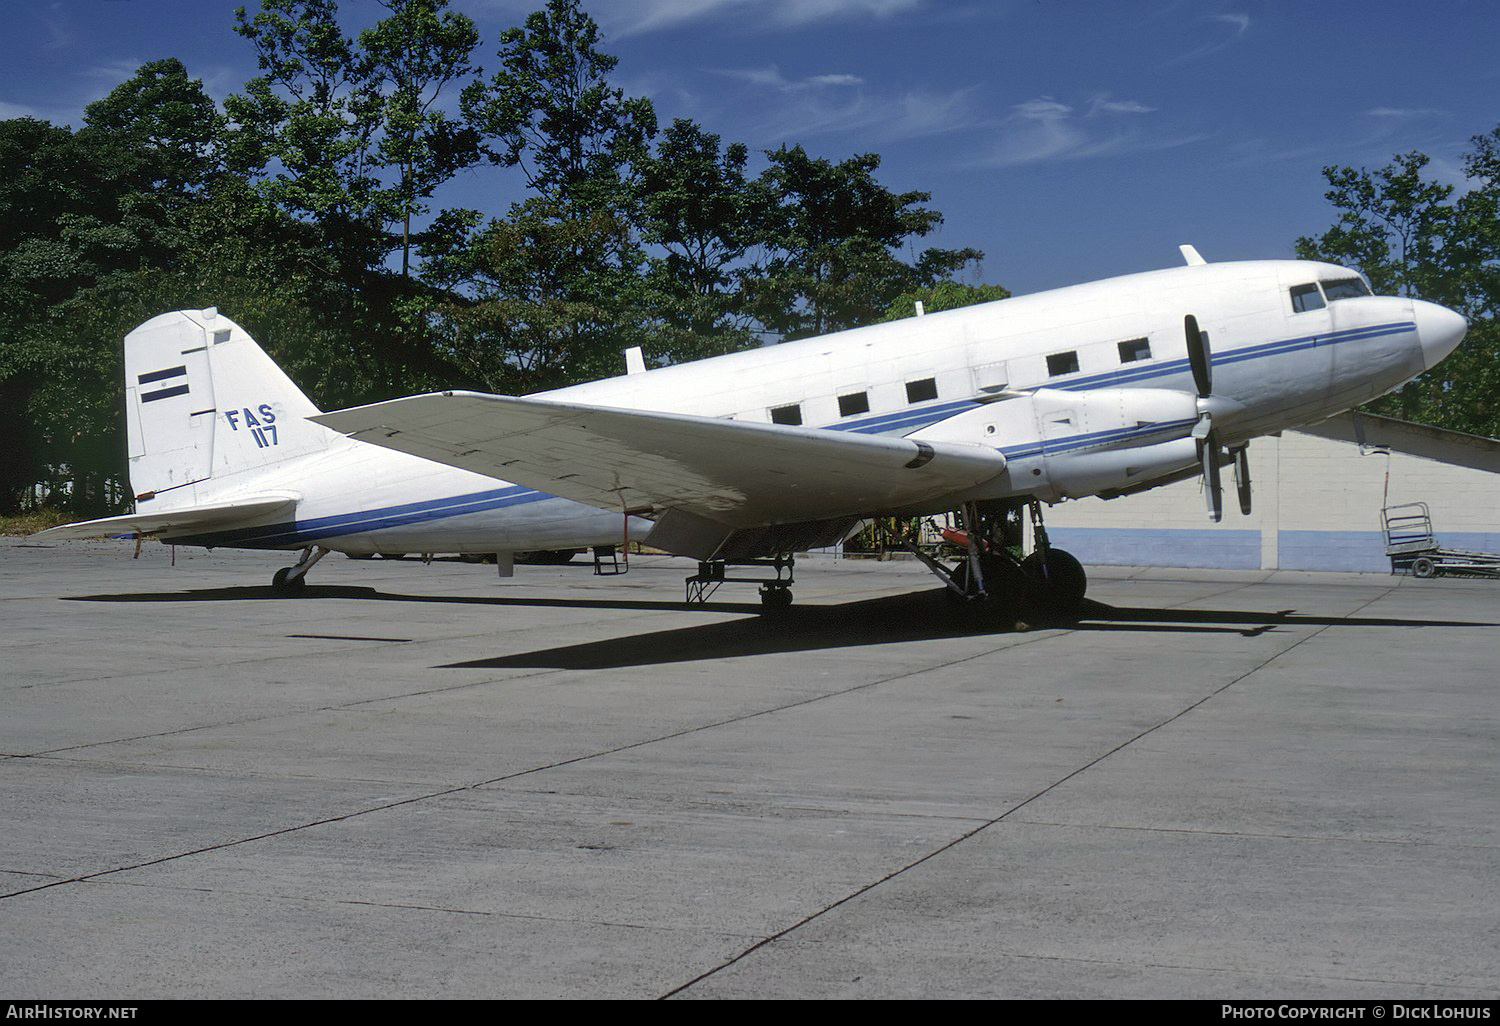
{"x": 865, "y": 889}
{"x": 54, "y": 752}
{"x": 1042, "y": 635}
{"x": 403, "y": 906}
{"x": 1238, "y": 971}
{"x": 1257, "y": 835}
{"x": 85, "y": 877}
{"x": 639, "y": 614}
{"x": 459, "y": 789}
{"x": 1039, "y": 636}
{"x": 416, "y": 642}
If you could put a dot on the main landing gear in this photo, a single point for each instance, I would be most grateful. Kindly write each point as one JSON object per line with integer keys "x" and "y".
{"x": 290, "y": 580}
{"x": 1049, "y": 584}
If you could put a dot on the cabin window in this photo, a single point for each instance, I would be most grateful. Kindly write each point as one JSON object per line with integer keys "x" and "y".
{"x": 1062, "y": 363}
{"x": 1134, "y": 350}
{"x": 1305, "y": 298}
{"x": 787, "y": 414}
{"x": 854, "y": 402}
{"x": 1345, "y": 288}
{"x": 921, "y": 391}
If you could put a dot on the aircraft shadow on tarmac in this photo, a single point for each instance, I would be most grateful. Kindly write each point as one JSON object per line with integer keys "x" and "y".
{"x": 918, "y": 616}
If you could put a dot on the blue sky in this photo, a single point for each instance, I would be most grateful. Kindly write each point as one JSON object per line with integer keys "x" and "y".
{"x": 1069, "y": 140}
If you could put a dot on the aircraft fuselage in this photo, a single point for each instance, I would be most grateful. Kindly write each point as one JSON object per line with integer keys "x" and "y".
{"x": 1085, "y": 371}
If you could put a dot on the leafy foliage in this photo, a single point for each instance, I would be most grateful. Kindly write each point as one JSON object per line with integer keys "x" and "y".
{"x": 299, "y": 211}
{"x": 945, "y": 295}
{"x": 1410, "y": 236}
{"x": 834, "y": 230}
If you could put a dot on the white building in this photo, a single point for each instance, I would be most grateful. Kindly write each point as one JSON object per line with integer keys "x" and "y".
{"x": 1318, "y": 494}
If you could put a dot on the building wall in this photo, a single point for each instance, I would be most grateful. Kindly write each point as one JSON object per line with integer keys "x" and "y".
{"x": 1316, "y": 505}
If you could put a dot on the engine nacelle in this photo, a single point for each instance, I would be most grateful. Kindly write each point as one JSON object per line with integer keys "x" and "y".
{"x": 1060, "y": 444}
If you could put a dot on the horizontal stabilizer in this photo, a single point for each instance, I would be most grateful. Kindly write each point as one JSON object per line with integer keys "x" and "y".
{"x": 176, "y": 521}
{"x": 735, "y": 473}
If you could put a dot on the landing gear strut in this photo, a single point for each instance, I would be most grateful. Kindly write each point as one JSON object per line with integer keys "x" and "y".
{"x": 775, "y": 593}
{"x": 290, "y": 580}
{"x": 1048, "y": 584}
{"x": 1059, "y": 577}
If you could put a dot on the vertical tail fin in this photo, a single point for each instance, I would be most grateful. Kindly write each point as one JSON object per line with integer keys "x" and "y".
{"x": 204, "y": 402}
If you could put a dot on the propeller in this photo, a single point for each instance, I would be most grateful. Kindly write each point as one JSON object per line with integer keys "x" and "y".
{"x": 1201, "y": 362}
{"x": 1242, "y": 477}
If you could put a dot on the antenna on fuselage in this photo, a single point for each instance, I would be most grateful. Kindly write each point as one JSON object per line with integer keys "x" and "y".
{"x": 1191, "y": 256}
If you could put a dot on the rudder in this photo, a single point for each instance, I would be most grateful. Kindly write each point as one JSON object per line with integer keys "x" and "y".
{"x": 204, "y": 402}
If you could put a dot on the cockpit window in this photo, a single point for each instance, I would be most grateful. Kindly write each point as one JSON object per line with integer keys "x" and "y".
{"x": 1305, "y": 298}
{"x": 1345, "y": 288}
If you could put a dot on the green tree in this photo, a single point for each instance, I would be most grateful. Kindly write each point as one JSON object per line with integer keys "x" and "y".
{"x": 163, "y": 129}
{"x": 835, "y": 232}
{"x": 544, "y": 305}
{"x": 699, "y": 216}
{"x": 945, "y": 295}
{"x": 551, "y": 111}
{"x": 551, "y": 293}
{"x": 305, "y": 130}
{"x": 348, "y": 133}
{"x": 1409, "y": 236}
{"x": 85, "y": 217}
{"x": 416, "y": 52}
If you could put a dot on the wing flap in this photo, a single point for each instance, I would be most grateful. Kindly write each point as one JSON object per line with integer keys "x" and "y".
{"x": 174, "y": 521}
{"x": 735, "y": 473}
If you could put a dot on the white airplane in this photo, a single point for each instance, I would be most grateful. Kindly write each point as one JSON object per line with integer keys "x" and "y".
{"x": 1103, "y": 389}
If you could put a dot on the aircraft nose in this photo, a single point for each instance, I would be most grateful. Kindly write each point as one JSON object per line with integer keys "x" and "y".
{"x": 1440, "y": 329}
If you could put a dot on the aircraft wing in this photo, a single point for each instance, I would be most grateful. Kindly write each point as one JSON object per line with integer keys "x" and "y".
{"x": 733, "y": 473}
{"x": 212, "y": 514}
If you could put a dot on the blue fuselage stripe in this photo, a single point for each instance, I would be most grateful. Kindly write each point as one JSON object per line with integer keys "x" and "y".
{"x": 921, "y": 416}
{"x": 304, "y": 532}
{"x": 307, "y": 531}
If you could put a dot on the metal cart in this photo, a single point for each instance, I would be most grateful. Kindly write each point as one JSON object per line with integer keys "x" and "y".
{"x": 1414, "y": 549}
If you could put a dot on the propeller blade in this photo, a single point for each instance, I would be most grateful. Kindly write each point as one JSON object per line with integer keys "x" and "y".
{"x": 1198, "y": 356}
{"x": 1213, "y": 487}
{"x": 1242, "y": 477}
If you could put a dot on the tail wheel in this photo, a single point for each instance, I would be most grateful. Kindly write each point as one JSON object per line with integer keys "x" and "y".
{"x": 1060, "y": 578}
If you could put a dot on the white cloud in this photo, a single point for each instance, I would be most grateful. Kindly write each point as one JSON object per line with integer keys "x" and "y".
{"x": 1045, "y": 129}
{"x": 772, "y": 78}
{"x": 58, "y": 26}
{"x": 621, "y": 18}
{"x": 836, "y": 80}
{"x": 1239, "y": 23}
{"x": 877, "y": 118}
{"x": 1103, "y": 104}
{"x": 115, "y": 71}
{"x": 1405, "y": 113}
{"x": 10, "y": 111}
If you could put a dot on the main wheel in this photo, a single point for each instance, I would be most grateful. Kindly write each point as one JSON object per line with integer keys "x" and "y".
{"x": 1007, "y": 590}
{"x": 1060, "y": 579}
{"x": 1423, "y": 567}
{"x": 285, "y": 584}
